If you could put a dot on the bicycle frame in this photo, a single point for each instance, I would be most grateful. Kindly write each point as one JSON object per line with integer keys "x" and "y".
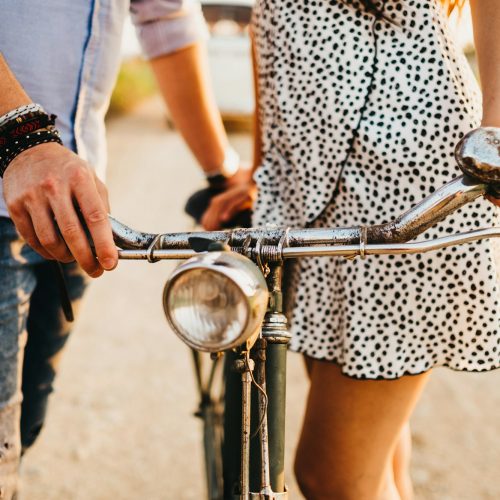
{"x": 257, "y": 472}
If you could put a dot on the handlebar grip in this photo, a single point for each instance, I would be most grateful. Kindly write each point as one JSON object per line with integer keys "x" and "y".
{"x": 478, "y": 156}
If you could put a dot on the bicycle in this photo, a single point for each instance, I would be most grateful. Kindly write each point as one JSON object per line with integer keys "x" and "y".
{"x": 227, "y": 297}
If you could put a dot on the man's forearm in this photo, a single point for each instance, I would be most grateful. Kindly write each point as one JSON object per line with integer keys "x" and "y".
{"x": 486, "y": 21}
{"x": 12, "y": 95}
{"x": 185, "y": 86}
{"x": 41, "y": 185}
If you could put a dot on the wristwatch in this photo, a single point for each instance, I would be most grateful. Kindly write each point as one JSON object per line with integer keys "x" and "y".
{"x": 230, "y": 165}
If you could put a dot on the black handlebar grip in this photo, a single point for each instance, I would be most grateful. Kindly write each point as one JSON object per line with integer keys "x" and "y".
{"x": 478, "y": 156}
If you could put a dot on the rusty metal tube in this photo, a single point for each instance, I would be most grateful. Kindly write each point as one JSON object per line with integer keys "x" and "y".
{"x": 425, "y": 214}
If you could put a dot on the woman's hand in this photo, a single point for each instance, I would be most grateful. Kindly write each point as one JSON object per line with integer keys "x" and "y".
{"x": 495, "y": 201}
{"x": 239, "y": 195}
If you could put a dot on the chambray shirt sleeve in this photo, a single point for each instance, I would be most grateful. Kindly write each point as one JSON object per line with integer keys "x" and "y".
{"x": 164, "y": 26}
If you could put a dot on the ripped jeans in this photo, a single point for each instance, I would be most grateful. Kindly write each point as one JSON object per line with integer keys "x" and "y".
{"x": 33, "y": 328}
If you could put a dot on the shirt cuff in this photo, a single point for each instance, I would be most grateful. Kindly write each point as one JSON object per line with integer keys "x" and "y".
{"x": 167, "y": 35}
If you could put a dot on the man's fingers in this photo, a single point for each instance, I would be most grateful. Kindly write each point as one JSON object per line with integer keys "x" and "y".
{"x": 74, "y": 235}
{"x": 51, "y": 178}
{"x": 48, "y": 235}
{"x": 96, "y": 219}
{"x": 103, "y": 193}
{"x": 25, "y": 228}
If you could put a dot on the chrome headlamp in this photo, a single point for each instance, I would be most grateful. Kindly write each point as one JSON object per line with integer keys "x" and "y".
{"x": 216, "y": 301}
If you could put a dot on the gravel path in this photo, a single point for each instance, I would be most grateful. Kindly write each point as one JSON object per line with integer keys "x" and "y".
{"x": 120, "y": 424}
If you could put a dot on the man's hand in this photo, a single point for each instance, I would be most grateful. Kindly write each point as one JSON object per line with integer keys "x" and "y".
{"x": 44, "y": 187}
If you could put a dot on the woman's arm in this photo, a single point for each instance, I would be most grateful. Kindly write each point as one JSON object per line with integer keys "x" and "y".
{"x": 257, "y": 138}
{"x": 242, "y": 192}
{"x": 486, "y": 22}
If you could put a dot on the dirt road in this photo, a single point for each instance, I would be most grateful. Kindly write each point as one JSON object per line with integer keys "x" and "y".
{"x": 120, "y": 424}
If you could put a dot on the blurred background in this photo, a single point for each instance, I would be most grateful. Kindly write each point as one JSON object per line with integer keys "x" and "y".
{"x": 121, "y": 424}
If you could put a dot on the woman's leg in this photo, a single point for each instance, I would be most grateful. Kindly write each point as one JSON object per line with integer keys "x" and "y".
{"x": 350, "y": 434}
{"x": 401, "y": 457}
{"x": 401, "y": 464}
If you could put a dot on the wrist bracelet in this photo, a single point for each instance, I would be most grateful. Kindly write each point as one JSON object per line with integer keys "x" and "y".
{"x": 25, "y": 125}
{"x": 42, "y": 136}
{"x": 22, "y": 129}
{"x": 22, "y": 110}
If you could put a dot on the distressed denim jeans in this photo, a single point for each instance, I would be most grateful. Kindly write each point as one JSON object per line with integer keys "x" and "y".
{"x": 33, "y": 329}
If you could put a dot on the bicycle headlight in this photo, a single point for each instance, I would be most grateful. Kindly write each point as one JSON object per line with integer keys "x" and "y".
{"x": 216, "y": 301}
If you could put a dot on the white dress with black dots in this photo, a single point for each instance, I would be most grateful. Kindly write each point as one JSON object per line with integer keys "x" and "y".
{"x": 374, "y": 108}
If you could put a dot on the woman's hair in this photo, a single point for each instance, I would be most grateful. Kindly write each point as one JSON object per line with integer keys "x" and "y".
{"x": 371, "y": 5}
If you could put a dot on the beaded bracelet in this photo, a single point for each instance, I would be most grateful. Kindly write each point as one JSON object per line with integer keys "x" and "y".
{"x": 42, "y": 136}
{"x": 24, "y": 125}
{"x": 22, "y": 110}
{"x": 22, "y": 129}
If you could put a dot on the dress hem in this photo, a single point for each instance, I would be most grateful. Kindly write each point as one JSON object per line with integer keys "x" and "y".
{"x": 404, "y": 374}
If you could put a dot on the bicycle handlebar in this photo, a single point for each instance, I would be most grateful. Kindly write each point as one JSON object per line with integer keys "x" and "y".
{"x": 478, "y": 154}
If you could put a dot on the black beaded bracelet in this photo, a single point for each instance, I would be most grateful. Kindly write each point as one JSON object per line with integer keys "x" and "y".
{"x": 16, "y": 146}
{"x": 23, "y": 128}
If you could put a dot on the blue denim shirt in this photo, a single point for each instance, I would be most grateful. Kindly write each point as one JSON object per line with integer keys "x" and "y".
{"x": 66, "y": 55}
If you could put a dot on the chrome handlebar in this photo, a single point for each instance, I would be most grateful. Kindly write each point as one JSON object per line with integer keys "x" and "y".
{"x": 477, "y": 154}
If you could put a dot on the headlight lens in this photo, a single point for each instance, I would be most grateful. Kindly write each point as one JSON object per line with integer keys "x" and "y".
{"x": 216, "y": 300}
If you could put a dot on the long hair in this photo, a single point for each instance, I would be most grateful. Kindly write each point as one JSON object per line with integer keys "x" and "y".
{"x": 370, "y": 5}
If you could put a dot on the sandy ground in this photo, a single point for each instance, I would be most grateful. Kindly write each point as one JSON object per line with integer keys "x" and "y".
{"x": 120, "y": 425}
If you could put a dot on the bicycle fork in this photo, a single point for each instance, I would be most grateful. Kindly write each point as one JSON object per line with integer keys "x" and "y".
{"x": 262, "y": 461}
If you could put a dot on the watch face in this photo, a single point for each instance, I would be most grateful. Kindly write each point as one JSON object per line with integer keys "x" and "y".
{"x": 231, "y": 162}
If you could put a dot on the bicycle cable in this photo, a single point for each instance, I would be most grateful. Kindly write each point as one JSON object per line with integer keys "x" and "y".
{"x": 262, "y": 391}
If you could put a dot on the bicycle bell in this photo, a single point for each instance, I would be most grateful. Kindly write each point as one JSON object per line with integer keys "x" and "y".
{"x": 216, "y": 301}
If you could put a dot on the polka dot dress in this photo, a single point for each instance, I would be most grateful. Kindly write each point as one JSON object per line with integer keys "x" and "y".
{"x": 359, "y": 122}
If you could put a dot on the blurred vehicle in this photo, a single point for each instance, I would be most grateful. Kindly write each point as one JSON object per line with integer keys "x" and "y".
{"x": 230, "y": 57}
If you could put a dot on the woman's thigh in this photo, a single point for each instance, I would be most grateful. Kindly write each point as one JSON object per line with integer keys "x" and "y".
{"x": 350, "y": 430}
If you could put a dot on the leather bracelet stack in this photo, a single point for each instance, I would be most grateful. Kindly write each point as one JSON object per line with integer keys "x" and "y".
{"x": 22, "y": 129}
